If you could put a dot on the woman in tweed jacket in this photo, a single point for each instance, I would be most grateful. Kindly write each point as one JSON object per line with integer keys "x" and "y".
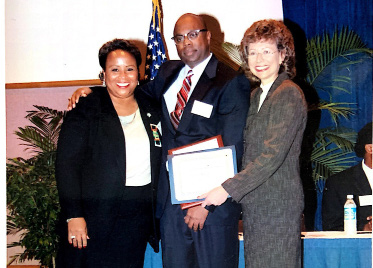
{"x": 269, "y": 186}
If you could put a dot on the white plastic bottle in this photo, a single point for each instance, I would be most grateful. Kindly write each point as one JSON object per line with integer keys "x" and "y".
{"x": 350, "y": 216}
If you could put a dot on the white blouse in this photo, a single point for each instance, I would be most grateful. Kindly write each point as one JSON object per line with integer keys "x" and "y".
{"x": 138, "y": 170}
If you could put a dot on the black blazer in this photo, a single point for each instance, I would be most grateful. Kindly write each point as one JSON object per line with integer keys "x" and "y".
{"x": 91, "y": 160}
{"x": 228, "y": 93}
{"x": 350, "y": 181}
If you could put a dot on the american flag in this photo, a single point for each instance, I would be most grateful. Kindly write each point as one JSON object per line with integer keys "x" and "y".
{"x": 155, "y": 54}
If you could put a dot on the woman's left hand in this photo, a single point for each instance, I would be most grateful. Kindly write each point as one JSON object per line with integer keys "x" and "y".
{"x": 216, "y": 196}
{"x": 77, "y": 232}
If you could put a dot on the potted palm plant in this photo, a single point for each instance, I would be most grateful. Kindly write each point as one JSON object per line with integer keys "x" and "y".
{"x": 32, "y": 198}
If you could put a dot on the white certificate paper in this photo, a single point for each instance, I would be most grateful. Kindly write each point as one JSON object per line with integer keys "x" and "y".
{"x": 195, "y": 173}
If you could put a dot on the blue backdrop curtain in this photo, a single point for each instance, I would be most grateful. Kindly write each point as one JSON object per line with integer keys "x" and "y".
{"x": 306, "y": 19}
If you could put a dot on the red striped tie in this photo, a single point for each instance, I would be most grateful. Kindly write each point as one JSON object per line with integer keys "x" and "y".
{"x": 182, "y": 98}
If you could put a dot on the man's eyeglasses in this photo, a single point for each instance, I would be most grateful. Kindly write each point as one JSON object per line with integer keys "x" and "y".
{"x": 266, "y": 53}
{"x": 178, "y": 39}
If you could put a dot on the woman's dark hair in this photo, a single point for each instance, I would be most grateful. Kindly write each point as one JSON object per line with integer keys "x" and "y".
{"x": 116, "y": 44}
{"x": 270, "y": 30}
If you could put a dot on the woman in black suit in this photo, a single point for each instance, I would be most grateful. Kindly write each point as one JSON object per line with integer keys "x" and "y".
{"x": 107, "y": 168}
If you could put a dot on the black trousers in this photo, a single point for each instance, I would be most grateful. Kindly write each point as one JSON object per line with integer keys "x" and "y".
{"x": 125, "y": 243}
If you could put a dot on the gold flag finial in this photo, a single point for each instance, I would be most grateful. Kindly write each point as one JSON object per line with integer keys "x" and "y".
{"x": 156, "y": 9}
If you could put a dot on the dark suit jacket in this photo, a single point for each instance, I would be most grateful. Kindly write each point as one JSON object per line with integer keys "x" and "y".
{"x": 91, "y": 161}
{"x": 227, "y": 92}
{"x": 350, "y": 181}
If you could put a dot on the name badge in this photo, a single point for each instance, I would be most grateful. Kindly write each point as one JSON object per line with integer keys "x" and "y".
{"x": 202, "y": 109}
{"x": 365, "y": 200}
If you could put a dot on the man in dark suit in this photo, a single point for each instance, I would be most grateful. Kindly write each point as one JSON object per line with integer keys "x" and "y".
{"x": 217, "y": 104}
{"x": 357, "y": 181}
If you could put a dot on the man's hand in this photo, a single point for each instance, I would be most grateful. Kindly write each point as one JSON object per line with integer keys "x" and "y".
{"x": 80, "y": 92}
{"x": 368, "y": 226}
{"x": 196, "y": 217}
{"x": 216, "y": 196}
{"x": 77, "y": 232}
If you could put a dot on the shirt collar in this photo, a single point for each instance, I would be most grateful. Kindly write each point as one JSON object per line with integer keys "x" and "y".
{"x": 198, "y": 70}
{"x": 266, "y": 88}
{"x": 368, "y": 172}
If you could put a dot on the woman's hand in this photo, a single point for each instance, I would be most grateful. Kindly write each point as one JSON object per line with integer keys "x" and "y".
{"x": 216, "y": 196}
{"x": 80, "y": 92}
{"x": 77, "y": 232}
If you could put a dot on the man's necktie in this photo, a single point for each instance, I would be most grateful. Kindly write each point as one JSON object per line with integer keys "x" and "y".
{"x": 182, "y": 98}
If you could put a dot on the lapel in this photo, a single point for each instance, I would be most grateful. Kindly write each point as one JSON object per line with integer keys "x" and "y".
{"x": 168, "y": 82}
{"x": 255, "y": 101}
{"x": 110, "y": 122}
{"x": 361, "y": 181}
{"x": 151, "y": 123}
{"x": 202, "y": 87}
{"x": 281, "y": 77}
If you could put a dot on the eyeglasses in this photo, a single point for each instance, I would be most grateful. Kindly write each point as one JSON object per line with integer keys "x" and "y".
{"x": 178, "y": 39}
{"x": 266, "y": 53}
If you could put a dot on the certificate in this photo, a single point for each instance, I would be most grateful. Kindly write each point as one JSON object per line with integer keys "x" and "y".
{"x": 195, "y": 173}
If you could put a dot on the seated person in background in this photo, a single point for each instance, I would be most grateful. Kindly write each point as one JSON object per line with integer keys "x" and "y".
{"x": 357, "y": 181}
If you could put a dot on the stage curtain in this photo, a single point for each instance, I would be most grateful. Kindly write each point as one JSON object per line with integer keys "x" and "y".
{"x": 306, "y": 19}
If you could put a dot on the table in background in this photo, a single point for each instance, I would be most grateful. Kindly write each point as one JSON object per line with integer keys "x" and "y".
{"x": 320, "y": 250}
{"x": 335, "y": 249}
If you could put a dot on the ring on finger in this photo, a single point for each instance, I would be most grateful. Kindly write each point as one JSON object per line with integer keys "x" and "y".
{"x": 72, "y": 237}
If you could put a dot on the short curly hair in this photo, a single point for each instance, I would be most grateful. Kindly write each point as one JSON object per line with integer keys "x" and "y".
{"x": 268, "y": 30}
{"x": 116, "y": 44}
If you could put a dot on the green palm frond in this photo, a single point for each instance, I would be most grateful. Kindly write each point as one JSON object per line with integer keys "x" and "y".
{"x": 327, "y": 163}
{"x": 43, "y": 135}
{"x": 343, "y": 138}
{"x": 321, "y": 51}
{"x": 46, "y": 113}
{"x": 332, "y": 152}
{"x": 337, "y": 110}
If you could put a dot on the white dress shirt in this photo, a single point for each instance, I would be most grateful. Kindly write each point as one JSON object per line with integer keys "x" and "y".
{"x": 368, "y": 172}
{"x": 170, "y": 95}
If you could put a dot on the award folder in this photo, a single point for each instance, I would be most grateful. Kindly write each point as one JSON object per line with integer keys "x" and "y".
{"x": 195, "y": 173}
{"x": 210, "y": 143}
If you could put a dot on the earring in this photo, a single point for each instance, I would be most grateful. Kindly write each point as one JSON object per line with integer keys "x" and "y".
{"x": 138, "y": 82}
{"x": 103, "y": 83}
